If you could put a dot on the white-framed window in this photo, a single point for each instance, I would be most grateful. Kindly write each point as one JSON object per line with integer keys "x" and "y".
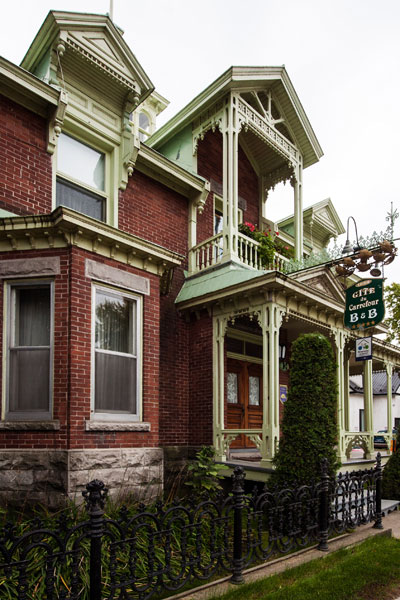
{"x": 116, "y": 352}
{"x": 81, "y": 182}
{"x": 29, "y": 338}
{"x": 144, "y": 126}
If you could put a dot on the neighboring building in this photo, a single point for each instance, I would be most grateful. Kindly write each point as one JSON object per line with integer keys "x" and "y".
{"x": 380, "y": 400}
{"x": 138, "y": 322}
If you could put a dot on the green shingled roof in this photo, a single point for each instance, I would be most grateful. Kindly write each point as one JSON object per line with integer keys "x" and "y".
{"x": 216, "y": 279}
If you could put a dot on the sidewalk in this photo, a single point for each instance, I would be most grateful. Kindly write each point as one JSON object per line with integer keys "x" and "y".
{"x": 391, "y": 524}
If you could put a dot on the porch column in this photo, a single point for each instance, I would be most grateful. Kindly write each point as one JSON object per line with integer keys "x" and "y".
{"x": 347, "y": 354}
{"x": 342, "y": 381}
{"x": 230, "y": 142}
{"x": 219, "y": 328}
{"x": 297, "y": 184}
{"x": 389, "y": 375}
{"x": 192, "y": 238}
{"x": 368, "y": 405}
{"x": 271, "y": 322}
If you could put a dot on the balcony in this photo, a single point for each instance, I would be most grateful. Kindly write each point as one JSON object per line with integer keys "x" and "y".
{"x": 210, "y": 253}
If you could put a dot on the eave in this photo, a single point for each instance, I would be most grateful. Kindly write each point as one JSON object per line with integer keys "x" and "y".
{"x": 64, "y": 228}
{"x": 158, "y": 167}
{"x": 244, "y": 79}
{"x": 26, "y": 89}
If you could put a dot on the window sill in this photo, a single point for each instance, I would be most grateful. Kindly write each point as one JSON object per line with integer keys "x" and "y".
{"x": 117, "y": 426}
{"x": 30, "y": 425}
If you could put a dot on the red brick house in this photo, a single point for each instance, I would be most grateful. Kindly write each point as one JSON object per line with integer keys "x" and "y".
{"x": 138, "y": 321}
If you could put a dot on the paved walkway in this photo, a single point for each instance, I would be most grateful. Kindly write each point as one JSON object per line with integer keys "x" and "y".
{"x": 391, "y": 524}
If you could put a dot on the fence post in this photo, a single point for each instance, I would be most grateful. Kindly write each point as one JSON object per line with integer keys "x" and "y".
{"x": 238, "y": 495}
{"x": 378, "y": 493}
{"x": 323, "y": 513}
{"x": 95, "y": 496}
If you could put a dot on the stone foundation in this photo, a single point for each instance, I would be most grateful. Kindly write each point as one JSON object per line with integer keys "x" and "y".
{"x": 52, "y": 476}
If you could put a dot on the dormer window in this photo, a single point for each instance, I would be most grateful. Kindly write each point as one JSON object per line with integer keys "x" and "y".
{"x": 81, "y": 178}
{"x": 144, "y": 127}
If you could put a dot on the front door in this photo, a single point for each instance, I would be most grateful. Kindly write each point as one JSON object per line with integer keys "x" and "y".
{"x": 244, "y": 399}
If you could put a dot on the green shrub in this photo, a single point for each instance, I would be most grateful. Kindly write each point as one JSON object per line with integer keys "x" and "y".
{"x": 391, "y": 474}
{"x": 309, "y": 425}
{"x": 204, "y": 473}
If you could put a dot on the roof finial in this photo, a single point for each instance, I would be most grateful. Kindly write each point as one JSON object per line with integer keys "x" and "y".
{"x": 111, "y": 11}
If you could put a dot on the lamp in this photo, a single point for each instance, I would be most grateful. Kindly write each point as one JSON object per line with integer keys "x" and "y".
{"x": 348, "y": 248}
{"x": 282, "y": 351}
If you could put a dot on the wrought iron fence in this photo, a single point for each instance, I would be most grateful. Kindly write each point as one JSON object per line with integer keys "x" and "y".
{"x": 157, "y": 551}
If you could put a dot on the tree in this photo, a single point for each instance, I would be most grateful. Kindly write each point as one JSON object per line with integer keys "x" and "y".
{"x": 309, "y": 425}
{"x": 392, "y": 303}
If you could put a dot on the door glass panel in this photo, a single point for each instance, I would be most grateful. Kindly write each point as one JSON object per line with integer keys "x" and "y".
{"x": 233, "y": 396}
{"x": 254, "y": 391}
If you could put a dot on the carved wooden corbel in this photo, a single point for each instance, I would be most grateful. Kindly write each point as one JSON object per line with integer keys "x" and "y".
{"x": 130, "y": 143}
{"x": 200, "y": 200}
{"x": 56, "y": 123}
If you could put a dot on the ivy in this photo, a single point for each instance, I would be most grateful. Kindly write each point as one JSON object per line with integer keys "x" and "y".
{"x": 309, "y": 425}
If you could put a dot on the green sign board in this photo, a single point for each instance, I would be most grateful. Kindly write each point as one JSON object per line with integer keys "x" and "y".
{"x": 364, "y": 304}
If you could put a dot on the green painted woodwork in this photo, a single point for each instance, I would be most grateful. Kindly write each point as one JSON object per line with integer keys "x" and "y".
{"x": 216, "y": 279}
{"x": 180, "y": 148}
{"x": 42, "y": 69}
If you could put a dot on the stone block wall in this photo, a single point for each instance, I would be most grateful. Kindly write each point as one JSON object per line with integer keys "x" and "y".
{"x": 51, "y": 477}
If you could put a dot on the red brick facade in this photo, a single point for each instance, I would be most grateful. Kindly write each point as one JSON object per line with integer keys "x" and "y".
{"x": 25, "y": 166}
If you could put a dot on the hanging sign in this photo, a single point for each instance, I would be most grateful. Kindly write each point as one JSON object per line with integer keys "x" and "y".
{"x": 364, "y": 304}
{"x": 364, "y": 348}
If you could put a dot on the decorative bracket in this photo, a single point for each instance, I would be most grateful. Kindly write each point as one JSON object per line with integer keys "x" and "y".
{"x": 130, "y": 143}
{"x": 56, "y": 123}
{"x": 201, "y": 198}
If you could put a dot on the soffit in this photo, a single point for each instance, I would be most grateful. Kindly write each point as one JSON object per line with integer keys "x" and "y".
{"x": 241, "y": 79}
{"x": 92, "y": 46}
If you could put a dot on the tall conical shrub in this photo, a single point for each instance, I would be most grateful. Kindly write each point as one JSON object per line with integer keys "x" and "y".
{"x": 391, "y": 474}
{"x": 309, "y": 425}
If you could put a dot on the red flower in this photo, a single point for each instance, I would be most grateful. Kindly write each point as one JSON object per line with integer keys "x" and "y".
{"x": 277, "y": 233}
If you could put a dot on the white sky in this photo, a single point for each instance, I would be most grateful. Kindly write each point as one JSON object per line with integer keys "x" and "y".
{"x": 343, "y": 57}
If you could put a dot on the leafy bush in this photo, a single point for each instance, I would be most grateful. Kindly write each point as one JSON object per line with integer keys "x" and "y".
{"x": 309, "y": 425}
{"x": 204, "y": 473}
{"x": 391, "y": 474}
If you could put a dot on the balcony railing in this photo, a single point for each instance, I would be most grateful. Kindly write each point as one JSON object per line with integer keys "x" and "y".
{"x": 210, "y": 252}
{"x": 206, "y": 254}
{"x": 247, "y": 250}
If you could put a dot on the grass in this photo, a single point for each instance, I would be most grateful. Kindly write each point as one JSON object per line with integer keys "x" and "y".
{"x": 369, "y": 571}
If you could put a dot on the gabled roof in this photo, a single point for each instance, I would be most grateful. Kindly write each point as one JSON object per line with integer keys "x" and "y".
{"x": 92, "y": 40}
{"x": 321, "y": 222}
{"x": 243, "y": 79}
{"x": 321, "y": 278}
{"x": 379, "y": 383}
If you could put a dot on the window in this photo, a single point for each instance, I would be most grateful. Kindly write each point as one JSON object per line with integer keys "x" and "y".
{"x": 29, "y": 357}
{"x": 81, "y": 181}
{"x": 144, "y": 127}
{"x": 116, "y": 331}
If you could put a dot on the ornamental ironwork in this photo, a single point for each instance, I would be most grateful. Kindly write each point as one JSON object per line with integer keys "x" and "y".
{"x": 160, "y": 549}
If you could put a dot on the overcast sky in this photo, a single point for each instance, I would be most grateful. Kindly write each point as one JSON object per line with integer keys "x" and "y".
{"x": 343, "y": 57}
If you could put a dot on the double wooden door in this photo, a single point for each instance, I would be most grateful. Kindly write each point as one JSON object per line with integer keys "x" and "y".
{"x": 244, "y": 399}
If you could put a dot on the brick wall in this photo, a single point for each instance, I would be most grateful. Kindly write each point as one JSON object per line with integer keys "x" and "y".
{"x": 72, "y": 362}
{"x": 25, "y": 166}
{"x": 201, "y": 380}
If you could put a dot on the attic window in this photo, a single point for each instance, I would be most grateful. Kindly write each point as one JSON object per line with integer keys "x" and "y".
{"x": 144, "y": 127}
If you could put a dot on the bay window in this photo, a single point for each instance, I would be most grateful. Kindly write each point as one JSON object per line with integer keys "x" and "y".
{"x": 81, "y": 178}
{"x": 116, "y": 350}
{"x": 29, "y": 352}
